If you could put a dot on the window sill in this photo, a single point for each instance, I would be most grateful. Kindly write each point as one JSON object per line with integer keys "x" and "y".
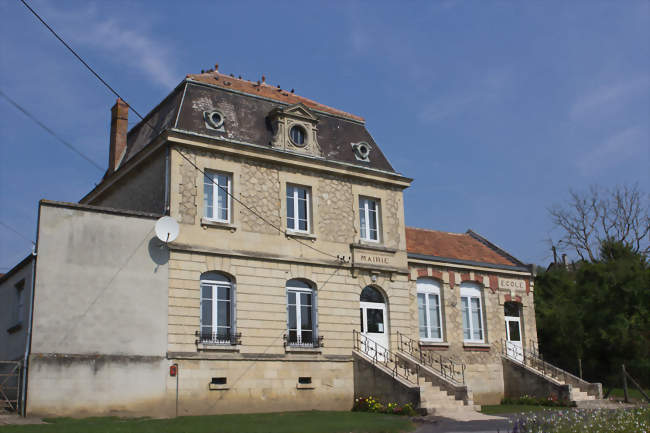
{"x": 372, "y": 245}
{"x": 301, "y": 235}
{"x": 205, "y": 223}
{"x": 426, "y": 343}
{"x": 305, "y": 386}
{"x": 15, "y": 328}
{"x": 215, "y": 387}
{"x": 217, "y": 347}
{"x": 298, "y": 349}
{"x": 479, "y": 347}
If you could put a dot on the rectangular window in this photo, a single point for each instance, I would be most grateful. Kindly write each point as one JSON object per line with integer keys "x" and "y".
{"x": 20, "y": 302}
{"x": 472, "y": 318}
{"x": 298, "y": 208}
{"x": 217, "y": 204}
{"x": 215, "y": 312}
{"x": 369, "y": 219}
{"x": 429, "y": 316}
{"x": 301, "y": 321}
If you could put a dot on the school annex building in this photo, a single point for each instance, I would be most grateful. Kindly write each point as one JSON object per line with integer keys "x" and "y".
{"x": 293, "y": 283}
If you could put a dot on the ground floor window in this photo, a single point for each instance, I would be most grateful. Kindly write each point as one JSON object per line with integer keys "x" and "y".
{"x": 471, "y": 308}
{"x": 216, "y": 308}
{"x": 301, "y": 320}
{"x": 429, "y": 309}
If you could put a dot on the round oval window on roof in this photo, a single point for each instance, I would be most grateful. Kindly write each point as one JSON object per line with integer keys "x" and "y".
{"x": 297, "y": 135}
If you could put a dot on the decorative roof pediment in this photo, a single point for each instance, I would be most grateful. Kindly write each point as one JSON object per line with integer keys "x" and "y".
{"x": 295, "y": 111}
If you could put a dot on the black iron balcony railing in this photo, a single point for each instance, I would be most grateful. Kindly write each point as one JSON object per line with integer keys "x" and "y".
{"x": 220, "y": 337}
{"x": 298, "y": 341}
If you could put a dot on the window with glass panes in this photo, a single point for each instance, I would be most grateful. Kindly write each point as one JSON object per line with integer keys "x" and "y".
{"x": 217, "y": 188}
{"x": 298, "y": 208}
{"x": 429, "y": 309}
{"x": 301, "y": 312}
{"x": 216, "y": 308}
{"x": 369, "y": 218}
{"x": 471, "y": 310}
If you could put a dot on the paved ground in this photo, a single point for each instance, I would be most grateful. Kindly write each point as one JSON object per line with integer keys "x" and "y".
{"x": 447, "y": 425}
{"x": 6, "y": 419}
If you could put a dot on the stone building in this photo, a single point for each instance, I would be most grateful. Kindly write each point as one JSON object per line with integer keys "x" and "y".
{"x": 293, "y": 284}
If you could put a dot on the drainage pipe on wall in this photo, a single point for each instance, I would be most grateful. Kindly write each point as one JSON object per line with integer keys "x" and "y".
{"x": 28, "y": 340}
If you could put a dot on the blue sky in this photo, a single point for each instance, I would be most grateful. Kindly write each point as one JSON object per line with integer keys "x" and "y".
{"x": 495, "y": 108}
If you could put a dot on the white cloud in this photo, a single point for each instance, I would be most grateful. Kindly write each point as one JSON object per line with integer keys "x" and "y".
{"x": 607, "y": 98}
{"x": 122, "y": 42}
{"x": 626, "y": 144}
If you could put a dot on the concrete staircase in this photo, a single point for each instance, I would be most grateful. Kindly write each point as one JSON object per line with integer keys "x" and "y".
{"x": 527, "y": 370}
{"x": 397, "y": 377}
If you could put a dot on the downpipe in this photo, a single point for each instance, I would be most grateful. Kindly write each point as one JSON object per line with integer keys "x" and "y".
{"x": 28, "y": 341}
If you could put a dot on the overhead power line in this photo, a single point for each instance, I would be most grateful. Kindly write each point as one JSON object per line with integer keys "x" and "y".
{"x": 52, "y": 133}
{"x": 340, "y": 259}
{"x": 8, "y": 227}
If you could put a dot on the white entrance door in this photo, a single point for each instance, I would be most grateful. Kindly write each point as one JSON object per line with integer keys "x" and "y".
{"x": 374, "y": 327}
{"x": 514, "y": 348}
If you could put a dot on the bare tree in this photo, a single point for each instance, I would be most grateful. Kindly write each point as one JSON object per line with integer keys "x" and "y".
{"x": 588, "y": 219}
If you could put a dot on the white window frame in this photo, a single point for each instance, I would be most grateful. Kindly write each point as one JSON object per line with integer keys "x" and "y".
{"x": 214, "y": 285}
{"x": 365, "y": 210}
{"x": 430, "y": 287}
{"x": 296, "y": 223}
{"x": 297, "y": 306}
{"x": 216, "y": 189}
{"x": 471, "y": 291}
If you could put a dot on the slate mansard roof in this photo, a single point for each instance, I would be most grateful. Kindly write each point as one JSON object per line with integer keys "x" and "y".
{"x": 467, "y": 248}
{"x": 246, "y": 107}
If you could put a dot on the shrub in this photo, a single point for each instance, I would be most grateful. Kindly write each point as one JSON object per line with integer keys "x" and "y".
{"x": 370, "y": 404}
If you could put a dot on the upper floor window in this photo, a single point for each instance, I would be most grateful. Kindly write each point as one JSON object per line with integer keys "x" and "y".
{"x": 217, "y": 204}
{"x": 20, "y": 301}
{"x": 429, "y": 309}
{"x": 298, "y": 208}
{"x": 471, "y": 306}
{"x": 301, "y": 310}
{"x": 217, "y": 309}
{"x": 369, "y": 219}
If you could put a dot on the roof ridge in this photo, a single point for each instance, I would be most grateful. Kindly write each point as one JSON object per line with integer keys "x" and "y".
{"x": 497, "y": 249}
{"x": 214, "y": 77}
{"x": 436, "y": 231}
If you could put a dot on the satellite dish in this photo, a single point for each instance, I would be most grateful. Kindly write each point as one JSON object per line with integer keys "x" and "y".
{"x": 167, "y": 229}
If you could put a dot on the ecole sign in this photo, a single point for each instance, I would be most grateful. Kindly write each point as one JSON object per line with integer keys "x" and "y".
{"x": 511, "y": 284}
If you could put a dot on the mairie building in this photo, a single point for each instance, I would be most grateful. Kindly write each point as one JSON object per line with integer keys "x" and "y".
{"x": 292, "y": 284}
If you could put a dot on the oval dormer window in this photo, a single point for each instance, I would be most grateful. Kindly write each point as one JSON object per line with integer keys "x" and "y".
{"x": 297, "y": 134}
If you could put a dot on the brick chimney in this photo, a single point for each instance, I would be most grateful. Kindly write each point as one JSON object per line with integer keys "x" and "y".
{"x": 119, "y": 128}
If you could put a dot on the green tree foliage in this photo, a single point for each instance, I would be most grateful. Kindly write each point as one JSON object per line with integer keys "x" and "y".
{"x": 599, "y": 313}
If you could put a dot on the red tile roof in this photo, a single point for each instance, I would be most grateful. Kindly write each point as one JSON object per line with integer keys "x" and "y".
{"x": 460, "y": 246}
{"x": 216, "y": 78}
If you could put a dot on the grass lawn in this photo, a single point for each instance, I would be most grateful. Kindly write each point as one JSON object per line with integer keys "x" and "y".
{"x": 516, "y": 408}
{"x": 286, "y": 422}
{"x": 632, "y": 392}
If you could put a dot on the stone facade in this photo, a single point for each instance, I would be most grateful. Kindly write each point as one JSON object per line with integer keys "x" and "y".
{"x": 484, "y": 373}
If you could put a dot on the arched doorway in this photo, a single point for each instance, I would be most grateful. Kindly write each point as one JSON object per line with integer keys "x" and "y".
{"x": 374, "y": 319}
{"x": 514, "y": 346}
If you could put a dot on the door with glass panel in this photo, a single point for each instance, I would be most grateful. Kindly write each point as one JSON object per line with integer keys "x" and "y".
{"x": 514, "y": 346}
{"x": 374, "y": 323}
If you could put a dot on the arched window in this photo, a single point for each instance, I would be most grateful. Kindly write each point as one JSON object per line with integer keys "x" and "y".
{"x": 370, "y": 294}
{"x": 301, "y": 312}
{"x": 472, "y": 312}
{"x": 511, "y": 309}
{"x": 429, "y": 309}
{"x": 217, "y": 309}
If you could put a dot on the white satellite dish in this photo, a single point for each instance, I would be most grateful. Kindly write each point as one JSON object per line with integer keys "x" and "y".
{"x": 167, "y": 229}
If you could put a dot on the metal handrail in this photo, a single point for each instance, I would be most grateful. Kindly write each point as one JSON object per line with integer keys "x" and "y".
{"x": 533, "y": 358}
{"x": 449, "y": 369}
{"x": 379, "y": 355}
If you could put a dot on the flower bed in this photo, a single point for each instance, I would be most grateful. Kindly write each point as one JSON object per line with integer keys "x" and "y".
{"x": 585, "y": 420}
{"x": 370, "y": 404}
{"x": 534, "y": 401}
